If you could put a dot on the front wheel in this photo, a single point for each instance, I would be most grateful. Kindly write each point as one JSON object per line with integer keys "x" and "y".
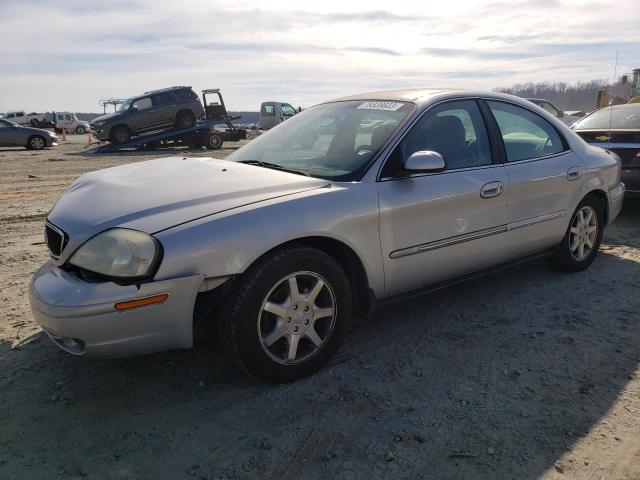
{"x": 80, "y": 130}
{"x": 213, "y": 141}
{"x": 286, "y": 316}
{"x": 36, "y": 142}
{"x": 582, "y": 238}
{"x": 34, "y": 122}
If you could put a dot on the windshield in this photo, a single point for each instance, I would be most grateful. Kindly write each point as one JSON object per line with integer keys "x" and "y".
{"x": 124, "y": 106}
{"x": 622, "y": 117}
{"x": 335, "y": 141}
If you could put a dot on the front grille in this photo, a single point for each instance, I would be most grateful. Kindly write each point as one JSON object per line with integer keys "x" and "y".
{"x": 55, "y": 239}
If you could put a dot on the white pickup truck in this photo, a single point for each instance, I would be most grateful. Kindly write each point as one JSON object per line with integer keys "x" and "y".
{"x": 22, "y": 118}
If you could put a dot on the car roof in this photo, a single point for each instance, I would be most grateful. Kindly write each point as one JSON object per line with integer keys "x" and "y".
{"x": 168, "y": 89}
{"x": 403, "y": 95}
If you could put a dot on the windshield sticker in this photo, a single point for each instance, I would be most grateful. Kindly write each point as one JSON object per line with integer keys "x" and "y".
{"x": 373, "y": 105}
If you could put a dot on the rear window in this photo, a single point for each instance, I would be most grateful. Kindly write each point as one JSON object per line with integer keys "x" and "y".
{"x": 268, "y": 110}
{"x": 186, "y": 94}
{"x": 616, "y": 117}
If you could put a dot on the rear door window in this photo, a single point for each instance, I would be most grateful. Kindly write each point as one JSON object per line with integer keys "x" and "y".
{"x": 268, "y": 110}
{"x": 161, "y": 99}
{"x": 525, "y": 135}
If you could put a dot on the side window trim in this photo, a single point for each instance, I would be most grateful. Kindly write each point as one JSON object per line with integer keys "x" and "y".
{"x": 407, "y": 128}
{"x": 563, "y": 140}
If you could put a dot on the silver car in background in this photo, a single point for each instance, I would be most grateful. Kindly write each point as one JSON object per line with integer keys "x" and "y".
{"x": 14, "y": 135}
{"x": 345, "y": 206}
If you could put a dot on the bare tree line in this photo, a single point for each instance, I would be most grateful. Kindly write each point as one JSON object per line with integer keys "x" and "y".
{"x": 567, "y": 96}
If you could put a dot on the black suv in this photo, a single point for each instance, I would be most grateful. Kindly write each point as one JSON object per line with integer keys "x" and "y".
{"x": 171, "y": 107}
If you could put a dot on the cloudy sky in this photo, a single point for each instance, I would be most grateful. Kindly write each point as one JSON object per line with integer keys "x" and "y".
{"x": 67, "y": 55}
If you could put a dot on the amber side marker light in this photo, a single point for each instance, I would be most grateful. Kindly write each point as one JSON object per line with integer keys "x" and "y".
{"x": 141, "y": 302}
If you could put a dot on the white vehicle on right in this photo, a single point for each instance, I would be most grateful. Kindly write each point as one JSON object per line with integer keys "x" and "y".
{"x": 568, "y": 118}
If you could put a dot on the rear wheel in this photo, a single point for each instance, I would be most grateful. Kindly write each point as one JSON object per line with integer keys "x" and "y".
{"x": 286, "y": 316}
{"x": 213, "y": 141}
{"x": 185, "y": 120}
{"x": 120, "y": 134}
{"x": 582, "y": 238}
{"x": 36, "y": 142}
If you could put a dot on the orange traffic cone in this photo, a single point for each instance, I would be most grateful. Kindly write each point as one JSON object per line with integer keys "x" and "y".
{"x": 64, "y": 135}
{"x": 89, "y": 138}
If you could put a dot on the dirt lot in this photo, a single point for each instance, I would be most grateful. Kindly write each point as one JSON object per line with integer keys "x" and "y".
{"x": 525, "y": 374}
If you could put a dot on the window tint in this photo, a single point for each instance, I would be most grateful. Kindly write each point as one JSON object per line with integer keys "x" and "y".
{"x": 268, "y": 110}
{"x": 68, "y": 117}
{"x": 142, "y": 103}
{"x": 616, "y": 117}
{"x": 162, "y": 99}
{"x": 4, "y": 124}
{"x": 455, "y": 130}
{"x": 11, "y": 115}
{"x": 550, "y": 108}
{"x": 60, "y": 117}
{"x": 186, "y": 94}
{"x": 525, "y": 134}
{"x": 20, "y": 114}
{"x": 288, "y": 111}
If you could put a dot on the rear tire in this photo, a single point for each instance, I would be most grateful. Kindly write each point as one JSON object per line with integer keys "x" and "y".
{"x": 213, "y": 141}
{"x": 582, "y": 239}
{"x": 185, "y": 120}
{"x": 36, "y": 142}
{"x": 277, "y": 329}
{"x": 120, "y": 134}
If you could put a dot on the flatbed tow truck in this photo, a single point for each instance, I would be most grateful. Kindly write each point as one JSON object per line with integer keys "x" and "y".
{"x": 206, "y": 133}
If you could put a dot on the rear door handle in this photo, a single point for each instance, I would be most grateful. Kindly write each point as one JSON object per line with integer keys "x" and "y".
{"x": 492, "y": 189}
{"x": 574, "y": 173}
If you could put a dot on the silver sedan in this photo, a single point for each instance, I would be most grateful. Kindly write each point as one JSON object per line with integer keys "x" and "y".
{"x": 346, "y": 206}
{"x": 14, "y": 135}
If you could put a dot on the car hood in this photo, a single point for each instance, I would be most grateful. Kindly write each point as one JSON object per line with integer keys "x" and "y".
{"x": 158, "y": 194}
{"x": 108, "y": 116}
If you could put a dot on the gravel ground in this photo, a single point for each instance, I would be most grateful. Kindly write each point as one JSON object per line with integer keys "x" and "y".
{"x": 523, "y": 374}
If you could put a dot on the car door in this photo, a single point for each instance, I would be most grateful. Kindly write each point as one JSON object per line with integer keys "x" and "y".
{"x": 164, "y": 108}
{"x": 441, "y": 225}
{"x": 543, "y": 174}
{"x": 6, "y": 134}
{"x": 142, "y": 115}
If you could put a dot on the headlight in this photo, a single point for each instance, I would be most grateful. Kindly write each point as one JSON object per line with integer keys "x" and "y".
{"x": 99, "y": 124}
{"x": 119, "y": 252}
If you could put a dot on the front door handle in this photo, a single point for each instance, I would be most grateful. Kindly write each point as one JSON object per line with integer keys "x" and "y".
{"x": 574, "y": 173}
{"x": 492, "y": 189}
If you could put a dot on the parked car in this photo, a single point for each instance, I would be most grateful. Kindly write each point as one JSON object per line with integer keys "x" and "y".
{"x": 14, "y": 135}
{"x": 285, "y": 241}
{"x": 274, "y": 113}
{"x": 568, "y": 118}
{"x": 617, "y": 128}
{"x": 69, "y": 121}
{"x": 22, "y": 118}
{"x": 160, "y": 109}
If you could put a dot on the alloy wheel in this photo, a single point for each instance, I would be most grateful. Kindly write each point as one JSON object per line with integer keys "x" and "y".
{"x": 297, "y": 317}
{"x": 583, "y": 233}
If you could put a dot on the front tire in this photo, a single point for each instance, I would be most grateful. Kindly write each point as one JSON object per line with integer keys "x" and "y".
{"x": 286, "y": 315}
{"x": 582, "y": 239}
{"x": 36, "y": 142}
{"x": 120, "y": 134}
{"x": 34, "y": 123}
{"x": 213, "y": 141}
{"x": 80, "y": 130}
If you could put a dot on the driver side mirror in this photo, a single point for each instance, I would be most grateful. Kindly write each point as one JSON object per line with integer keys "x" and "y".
{"x": 133, "y": 109}
{"x": 425, "y": 161}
